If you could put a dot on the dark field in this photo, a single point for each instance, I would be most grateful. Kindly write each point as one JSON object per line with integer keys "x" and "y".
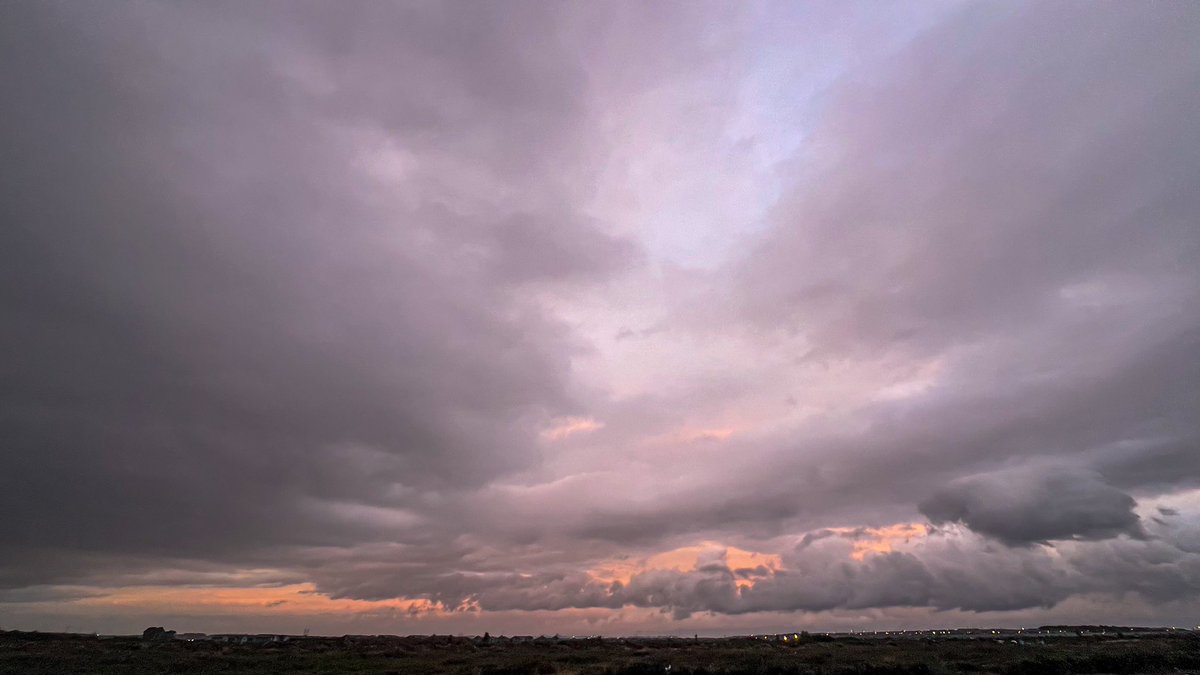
{"x": 32, "y": 653}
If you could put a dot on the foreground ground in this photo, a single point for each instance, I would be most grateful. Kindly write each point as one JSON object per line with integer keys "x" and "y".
{"x": 32, "y": 654}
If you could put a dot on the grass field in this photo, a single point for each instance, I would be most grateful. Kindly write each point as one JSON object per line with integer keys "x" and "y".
{"x": 35, "y": 654}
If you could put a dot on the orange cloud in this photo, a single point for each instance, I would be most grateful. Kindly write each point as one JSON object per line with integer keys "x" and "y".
{"x": 569, "y": 426}
{"x": 298, "y": 599}
{"x": 880, "y": 539}
{"x": 686, "y": 559}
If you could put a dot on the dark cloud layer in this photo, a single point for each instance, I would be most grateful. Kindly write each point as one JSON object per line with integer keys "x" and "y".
{"x": 1035, "y": 504}
{"x": 203, "y": 303}
{"x": 308, "y": 292}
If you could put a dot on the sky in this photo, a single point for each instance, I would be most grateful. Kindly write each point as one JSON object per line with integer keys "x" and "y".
{"x": 598, "y": 318}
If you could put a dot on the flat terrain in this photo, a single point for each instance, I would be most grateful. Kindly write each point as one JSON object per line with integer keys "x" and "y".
{"x": 34, "y": 653}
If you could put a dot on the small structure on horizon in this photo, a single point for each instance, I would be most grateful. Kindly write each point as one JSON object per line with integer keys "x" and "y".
{"x": 157, "y": 633}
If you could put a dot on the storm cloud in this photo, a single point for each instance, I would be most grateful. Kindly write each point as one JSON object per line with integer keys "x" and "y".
{"x": 1035, "y": 504}
{"x": 671, "y": 317}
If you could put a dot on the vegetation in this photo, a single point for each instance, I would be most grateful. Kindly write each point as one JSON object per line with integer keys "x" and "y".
{"x": 37, "y": 653}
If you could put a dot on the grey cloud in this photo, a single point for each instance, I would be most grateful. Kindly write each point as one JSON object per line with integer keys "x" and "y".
{"x": 950, "y": 208}
{"x": 962, "y": 193}
{"x": 272, "y": 282}
{"x": 1035, "y": 504}
{"x": 1052, "y": 277}
{"x": 205, "y": 298}
{"x": 33, "y": 594}
{"x": 1152, "y": 463}
{"x": 944, "y": 572}
{"x": 530, "y": 248}
{"x": 1157, "y": 570}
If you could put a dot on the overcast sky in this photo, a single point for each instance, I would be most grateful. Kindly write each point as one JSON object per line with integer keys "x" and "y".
{"x": 546, "y": 317}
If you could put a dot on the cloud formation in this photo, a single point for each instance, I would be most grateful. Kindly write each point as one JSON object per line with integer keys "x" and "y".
{"x": 618, "y": 317}
{"x": 1035, "y": 504}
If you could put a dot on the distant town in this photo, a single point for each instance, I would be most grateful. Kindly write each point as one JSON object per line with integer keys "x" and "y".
{"x": 1015, "y": 635}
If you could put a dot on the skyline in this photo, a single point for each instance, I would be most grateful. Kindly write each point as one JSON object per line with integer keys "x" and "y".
{"x": 611, "y": 318}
